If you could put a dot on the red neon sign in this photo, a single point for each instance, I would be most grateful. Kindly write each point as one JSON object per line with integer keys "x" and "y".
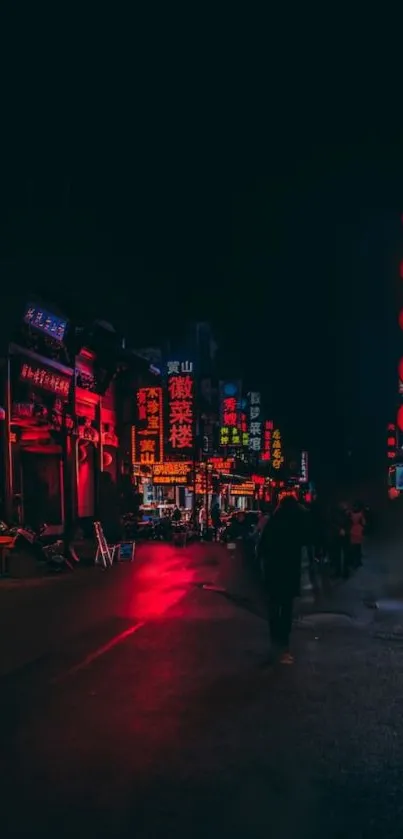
{"x": 40, "y": 377}
{"x": 148, "y": 433}
{"x": 258, "y": 479}
{"x": 267, "y": 439}
{"x": 181, "y": 411}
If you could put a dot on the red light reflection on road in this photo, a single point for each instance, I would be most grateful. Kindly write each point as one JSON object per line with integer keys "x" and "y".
{"x": 161, "y": 582}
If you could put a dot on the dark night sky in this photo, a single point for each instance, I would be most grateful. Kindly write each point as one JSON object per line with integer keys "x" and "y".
{"x": 288, "y": 244}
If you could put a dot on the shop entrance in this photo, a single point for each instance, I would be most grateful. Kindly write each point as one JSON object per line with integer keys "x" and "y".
{"x": 42, "y": 490}
{"x": 85, "y": 479}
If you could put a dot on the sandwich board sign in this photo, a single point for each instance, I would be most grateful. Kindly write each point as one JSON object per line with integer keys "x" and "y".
{"x": 126, "y": 551}
{"x": 103, "y": 555}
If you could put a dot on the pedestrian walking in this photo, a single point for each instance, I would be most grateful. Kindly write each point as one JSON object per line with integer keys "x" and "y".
{"x": 280, "y": 552}
{"x": 215, "y": 520}
{"x": 202, "y": 521}
{"x": 339, "y": 540}
{"x": 357, "y": 527}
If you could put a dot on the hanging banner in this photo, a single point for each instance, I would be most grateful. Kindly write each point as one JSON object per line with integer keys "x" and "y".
{"x": 230, "y": 411}
{"x": 181, "y": 409}
{"x": 255, "y": 423}
{"x": 148, "y": 431}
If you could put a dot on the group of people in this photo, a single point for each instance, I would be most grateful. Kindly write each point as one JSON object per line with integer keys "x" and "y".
{"x": 283, "y": 535}
{"x": 337, "y": 536}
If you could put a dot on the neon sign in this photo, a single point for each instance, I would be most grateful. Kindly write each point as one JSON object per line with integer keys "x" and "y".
{"x": 222, "y": 464}
{"x": 180, "y": 407}
{"x": 277, "y": 450}
{"x": 267, "y": 439}
{"x": 248, "y": 488}
{"x": 259, "y": 480}
{"x": 40, "y": 377}
{"x": 44, "y": 321}
{"x": 171, "y": 473}
{"x": 255, "y": 423}
{"x": 304, "y": 468}
{"x": 392, "y": 441}
{"x": 147, "y": 434}
{"x": 243, "y": 426}
{"x": 230, "y": 430}
{"x": 230, "y": 436}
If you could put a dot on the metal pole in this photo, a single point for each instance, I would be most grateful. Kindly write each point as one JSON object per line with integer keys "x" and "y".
{"x": 8, "y": 458}
{"x": 69, "y": 463}
{"x": 206, "y": 490}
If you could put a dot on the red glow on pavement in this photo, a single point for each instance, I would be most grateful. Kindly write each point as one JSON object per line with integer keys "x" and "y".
{"x": 401, "y": 318}
{"x": 161, "y": 582}
{"x": 400, "y": 418}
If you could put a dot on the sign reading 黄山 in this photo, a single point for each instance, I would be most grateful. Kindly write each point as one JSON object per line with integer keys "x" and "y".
{"x": 255, "y": 423}
{"x": 181, "y": 409}
{"x": 230, "y": 399}
{"x": 148, "y": 431}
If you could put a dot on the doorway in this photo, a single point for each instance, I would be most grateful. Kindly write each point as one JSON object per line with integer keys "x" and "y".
{"x": 42, "y": 488}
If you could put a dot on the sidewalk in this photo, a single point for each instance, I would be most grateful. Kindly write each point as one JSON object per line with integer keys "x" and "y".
{"x": 357, "y": 598}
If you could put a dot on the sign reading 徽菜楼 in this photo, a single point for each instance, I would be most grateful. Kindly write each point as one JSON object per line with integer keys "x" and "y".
{"x": 180, "y": 408}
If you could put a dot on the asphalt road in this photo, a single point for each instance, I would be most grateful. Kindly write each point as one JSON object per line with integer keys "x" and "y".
{"x": 150, "y": 711}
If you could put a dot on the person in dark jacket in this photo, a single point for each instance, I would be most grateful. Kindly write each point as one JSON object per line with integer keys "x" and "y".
{"x": 280, "y": 551}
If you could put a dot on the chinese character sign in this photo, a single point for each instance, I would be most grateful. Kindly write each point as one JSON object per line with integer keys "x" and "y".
{"x": 44, "y": 321}
{"x": 267, "y": 440}
{"x": 244, "y": 429}
{"x": 181, "y": 414}
{"x": 277, "y": 449}
{"x": 392, "y": 441}
{"x": 171, "y": 473}
{"x": 45, "y": 379}
{"x": 304, "y": 468}
{"x": 255, "y": 423}
{"x": 148, "y": 430}
{"x": 230, "y": 415}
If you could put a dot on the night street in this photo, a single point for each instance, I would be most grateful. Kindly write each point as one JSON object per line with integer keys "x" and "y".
{"x": 150, "y": 711}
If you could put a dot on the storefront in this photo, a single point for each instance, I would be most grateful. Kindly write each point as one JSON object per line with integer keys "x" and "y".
{"x": 242, "y": 495}
{"x": 97, "y": 441}
{"x": 39, "y": 392}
